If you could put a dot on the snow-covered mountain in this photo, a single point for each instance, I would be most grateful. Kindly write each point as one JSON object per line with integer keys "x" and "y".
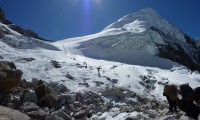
{"x": 21, "y": 38}
{"x": 142, "y": 38}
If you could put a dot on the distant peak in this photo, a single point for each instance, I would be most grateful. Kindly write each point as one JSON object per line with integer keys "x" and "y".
{"x": 2, "y": 15}
{"x": 148, "y": 10}
{"x": 148, "y": 15}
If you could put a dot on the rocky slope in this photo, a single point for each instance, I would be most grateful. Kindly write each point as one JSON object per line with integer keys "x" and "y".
{"x": 50, "y": 101}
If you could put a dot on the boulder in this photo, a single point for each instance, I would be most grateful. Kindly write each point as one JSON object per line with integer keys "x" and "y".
{"x": 26, "y": 84}
{"x": 63, "y": 88}
{"x": 10, "y": 78}
{"x": 27, "y": 107}
{"x": 78, "y": 97}
{"x": 55, "y": 64}
{"x": 34, "y": 82}
{"x": 77, "y": 104}
{"x": 10, "y": 114}
{"x": 81, "y": 114}
{"x": 46, "y": 95}
{"x": 29, "y": 96}
{"x": 37, "y": 115}
{"x": 59, "y": 115}
{"x": 69, "y": 76}
{"x": 54, "y": 117}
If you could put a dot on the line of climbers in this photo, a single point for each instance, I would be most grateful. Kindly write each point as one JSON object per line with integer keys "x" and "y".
{"x": 189, "y": 101}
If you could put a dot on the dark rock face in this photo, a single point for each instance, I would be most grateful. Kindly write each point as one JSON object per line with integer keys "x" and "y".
{"x": 185, "y": 53}
{"x": 28, "y": 33}
{"x": 9, "y": 77}
{"x": 2, "y": 16}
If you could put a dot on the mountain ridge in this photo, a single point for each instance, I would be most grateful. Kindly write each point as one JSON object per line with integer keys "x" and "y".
{"x": 142, "y": 32}
{"x": 25, "y": 32}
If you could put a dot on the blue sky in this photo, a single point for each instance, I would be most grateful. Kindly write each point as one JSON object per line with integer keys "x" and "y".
{"x": 60, "y": 19}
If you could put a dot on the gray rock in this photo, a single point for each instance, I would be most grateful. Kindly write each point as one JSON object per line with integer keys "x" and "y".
{"x": 35, "y": 82}
{"x": 27, "y": 107}
{"x": 71, "y": 107}
{"x": 79, "y": 97}
{"x": 26, "y": 84}
{"x": 69, "y": 76}
{"x": 11, "y": 105}
{"x": 30, "y": 96}
{"x": 81, "y": 114}
{"x": 77, "y": 104}
{"x": 129, "y": 118}
{"x": 29, "y": 59}
{"x": 10, "y": 78}
{"x": 55, "y": 64}
{"x": 63, "y": 88}
{"x": 54, "y": 117}
{"x": 39, "y": 114}
{"x": 46, "y": 95}
{"x": 61, "y": 114}
{"x": 152, "y": 115}
{"x": 108, "y": 105}
{"x": 10, "y": 114}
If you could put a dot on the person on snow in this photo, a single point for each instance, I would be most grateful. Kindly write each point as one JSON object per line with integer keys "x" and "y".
{"x": 171, "y": 93}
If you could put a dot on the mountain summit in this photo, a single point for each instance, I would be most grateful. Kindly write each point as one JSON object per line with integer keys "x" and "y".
{"x": 142, "y": 38}
{"x": 148, "y": 18}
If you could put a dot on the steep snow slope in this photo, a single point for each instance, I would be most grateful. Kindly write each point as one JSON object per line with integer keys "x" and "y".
{"x": 143, "y": 38}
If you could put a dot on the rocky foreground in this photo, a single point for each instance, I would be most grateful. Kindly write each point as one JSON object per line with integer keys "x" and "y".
{"x": 38, "y": 100}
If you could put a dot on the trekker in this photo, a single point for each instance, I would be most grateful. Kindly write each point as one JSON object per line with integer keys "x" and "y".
{"x": 85, "y": 64}
{"x": 171, "y": 93}
{"x": 98, "y": 69}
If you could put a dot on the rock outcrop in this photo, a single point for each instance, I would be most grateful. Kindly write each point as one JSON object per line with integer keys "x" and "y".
{"x": 46, "y": 95}
{"x": 2, "y": 16}
{"x": 10, "y": 77}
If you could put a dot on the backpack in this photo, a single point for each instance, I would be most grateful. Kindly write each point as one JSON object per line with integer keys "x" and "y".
{"x": 187, "y": 92}
{"x": 171, "y": 91}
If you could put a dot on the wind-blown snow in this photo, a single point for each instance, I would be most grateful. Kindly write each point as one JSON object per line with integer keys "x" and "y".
{"x": 135, "y": 27}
